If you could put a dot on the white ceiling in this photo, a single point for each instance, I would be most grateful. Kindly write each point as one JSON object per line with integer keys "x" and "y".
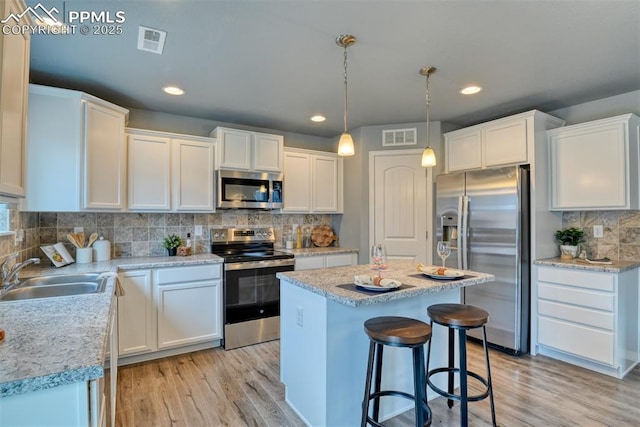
{"x": 273, "y": 64}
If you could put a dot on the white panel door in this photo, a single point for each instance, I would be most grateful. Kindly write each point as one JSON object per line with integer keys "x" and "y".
{"x": 193, "y": 175}
{"x": 398, "y": 204}
{"x": 189, "y": 313}
{"x": 297, "y": 182}
{"x": 136, "y": 318}
{"x": 13, "y": 107}
{"x": 325, "y": 184}
{"x": 267, "y": 152}
{"x": 234, "y": 149}
{"x": 104, "y": 158}
{"x": 149, "y": 178}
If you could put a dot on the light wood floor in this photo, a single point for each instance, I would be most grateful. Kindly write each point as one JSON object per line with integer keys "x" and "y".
{"x": 241, "y": 388}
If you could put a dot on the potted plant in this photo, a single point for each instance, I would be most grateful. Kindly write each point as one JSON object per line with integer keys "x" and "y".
{"x": 569, "y": 239}
{"x": 171, "y": 243}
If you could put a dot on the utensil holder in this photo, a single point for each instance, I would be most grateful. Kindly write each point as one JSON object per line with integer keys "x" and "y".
{"x": 84, "y": 255}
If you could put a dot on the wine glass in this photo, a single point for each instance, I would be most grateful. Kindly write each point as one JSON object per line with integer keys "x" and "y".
{"x": 444, "y": 250}
{"x": 378, "y": 257}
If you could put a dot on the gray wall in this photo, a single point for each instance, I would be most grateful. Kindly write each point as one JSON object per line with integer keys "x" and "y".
{"x": 164, "y": 122}
{"x": 600, "y": 109}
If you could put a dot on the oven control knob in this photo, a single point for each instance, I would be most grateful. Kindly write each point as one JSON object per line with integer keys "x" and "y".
{"x": 261, "y": 311}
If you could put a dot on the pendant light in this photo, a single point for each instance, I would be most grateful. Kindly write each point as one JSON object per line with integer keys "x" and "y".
{"x": 428, "y": 155}
{"x": 345, "y": 146}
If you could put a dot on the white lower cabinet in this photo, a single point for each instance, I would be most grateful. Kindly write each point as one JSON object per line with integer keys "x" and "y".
{"x": 169, "y": 309}
{"x": 136, "y": 313}
{"x": 588, "y": 318}
{"x": 188, "y": 301}
{"x": 325, "y": 261}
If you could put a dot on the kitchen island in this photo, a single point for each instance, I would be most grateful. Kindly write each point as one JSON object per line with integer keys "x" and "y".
{"x": 323, "y": 347}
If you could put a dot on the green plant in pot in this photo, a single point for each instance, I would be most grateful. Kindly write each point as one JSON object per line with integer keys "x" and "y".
{"x": 171, "y": 243}
{"x": 569, "y": 239}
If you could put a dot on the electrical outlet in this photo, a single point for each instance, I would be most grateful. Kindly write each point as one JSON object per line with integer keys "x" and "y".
{"x": 597, "y": 231}
{"x": 197, "y": 230}
{"x": 299, "y": 316}
{"x": 19, "y": 236}
{"x": 78, "y": 229}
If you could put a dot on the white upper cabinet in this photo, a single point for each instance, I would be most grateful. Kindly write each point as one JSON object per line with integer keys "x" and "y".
{"x": 104, "y": 157}
{"x": 312, "y": 181}
{"x": 326, "y": 189}
{"x": 248, "y": 151}
{"x": 463, "y": 150}
{"x": 149, "y": 172}
{"x": 14, "y": 83}
{"x": 506, "y": 141}
{"x": 193, "y": 169}
{"x": 594, "y": 165}
{"x": 297, "y": 180}
{"x": 76, "y": 152}
{"x": 170, "y": 172}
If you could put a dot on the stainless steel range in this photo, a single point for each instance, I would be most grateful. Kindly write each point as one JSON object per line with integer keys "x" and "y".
{"x": 251, "y": 289}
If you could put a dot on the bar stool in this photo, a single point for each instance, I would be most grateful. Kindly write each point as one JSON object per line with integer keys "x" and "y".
{"x": 396, "y": 332}
{"x": 461, "y": 317}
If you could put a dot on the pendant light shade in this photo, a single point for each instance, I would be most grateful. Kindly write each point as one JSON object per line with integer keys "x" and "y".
{"x": 345, "y": 146}
{"x": 428, "y": 155}
{"x": 428, "y": 158}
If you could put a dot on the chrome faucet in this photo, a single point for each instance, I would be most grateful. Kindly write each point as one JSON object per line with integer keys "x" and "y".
{"x": 10, "y": 275}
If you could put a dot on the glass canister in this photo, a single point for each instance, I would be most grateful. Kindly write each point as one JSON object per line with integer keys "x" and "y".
{"x": 306, "y": 237}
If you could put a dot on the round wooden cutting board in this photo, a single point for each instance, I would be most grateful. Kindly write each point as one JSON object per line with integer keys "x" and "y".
{"x": 322, "y": 236}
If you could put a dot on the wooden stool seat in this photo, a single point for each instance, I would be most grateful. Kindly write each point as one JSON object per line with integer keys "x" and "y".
{"x": 397, "y": 331}
{"x": 461, "y": 317}
{"x": 458, "y": 315}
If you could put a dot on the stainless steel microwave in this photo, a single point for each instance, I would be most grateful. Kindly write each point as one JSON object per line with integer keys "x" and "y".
{"x": 248, "y": 190}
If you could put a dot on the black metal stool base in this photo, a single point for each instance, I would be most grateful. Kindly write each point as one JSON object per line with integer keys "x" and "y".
{"x": 396, "y": 332}
{"x": 472, "y": 398}
{"x": 462, "y": 318}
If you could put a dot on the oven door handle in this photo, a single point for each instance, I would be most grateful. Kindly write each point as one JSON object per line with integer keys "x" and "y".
{"x": 259, "y": 264}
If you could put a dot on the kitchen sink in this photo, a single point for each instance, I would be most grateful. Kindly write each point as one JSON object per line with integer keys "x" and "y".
{"x": 56, "y": 286}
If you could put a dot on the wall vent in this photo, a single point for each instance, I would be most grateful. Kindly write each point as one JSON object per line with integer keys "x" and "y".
{"x": 396, "y": 137}
{"x": 151, "y": 40}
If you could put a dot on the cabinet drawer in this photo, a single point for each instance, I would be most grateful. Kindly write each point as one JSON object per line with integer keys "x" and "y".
{"x": 338, "y": 260}
{"x": 188, "y": 274}
{"x": 582, "y": 279}
{"x": 598, "y": 319}
{"x": 577, "y": 296}
{"x": 309, "y": 262}
{"x": 581, "y": 341}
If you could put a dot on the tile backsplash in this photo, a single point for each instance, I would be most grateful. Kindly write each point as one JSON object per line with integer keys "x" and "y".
{"x": 621, "y": 233}
{"x": 139, "y": 234}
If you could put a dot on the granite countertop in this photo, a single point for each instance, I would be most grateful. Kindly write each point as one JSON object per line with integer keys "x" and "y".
{"x": 56, "y": 341}
{"x": 336, "y": 283}
{"x": 329, "y": 250}
{"x": 577, "y": 264}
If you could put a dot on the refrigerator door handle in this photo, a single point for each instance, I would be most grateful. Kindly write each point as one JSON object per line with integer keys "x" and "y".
{"x": 465, "y": 232}
{"x": 460, "y": 232}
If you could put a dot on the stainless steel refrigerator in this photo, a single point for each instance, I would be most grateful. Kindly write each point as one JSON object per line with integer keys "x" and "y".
{"x": 485, "y": 216}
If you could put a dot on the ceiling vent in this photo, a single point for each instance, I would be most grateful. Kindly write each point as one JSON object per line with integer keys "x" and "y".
{"x": 396, "y": 137}
{"x": 151, "y": 40}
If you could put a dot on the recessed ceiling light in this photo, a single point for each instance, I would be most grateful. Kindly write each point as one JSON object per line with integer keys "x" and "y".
{"x": 470, "y": 90}
{"x": 318, "y": 118}
{"x": 173, "y": 90}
